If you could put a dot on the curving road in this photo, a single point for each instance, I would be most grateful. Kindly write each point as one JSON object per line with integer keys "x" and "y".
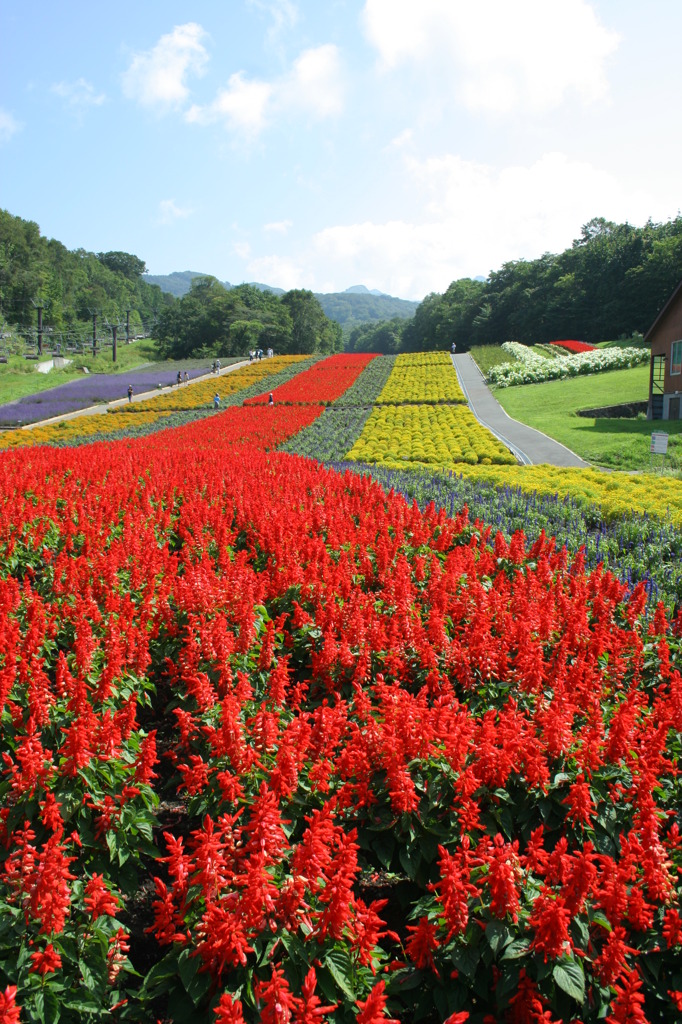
{"x": 530, "y": 446}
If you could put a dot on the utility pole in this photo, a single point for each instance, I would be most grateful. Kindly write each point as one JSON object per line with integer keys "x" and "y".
{"x": 114, "y": 329}
{"x": 127, "y": 326}
{"x": 40, "y": 305}
{"x": 94, "y": 333}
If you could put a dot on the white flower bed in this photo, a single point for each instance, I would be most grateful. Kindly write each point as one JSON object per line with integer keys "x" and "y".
{"x": 531, "y": 368}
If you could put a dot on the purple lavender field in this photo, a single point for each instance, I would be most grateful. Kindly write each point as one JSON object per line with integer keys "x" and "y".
{"x": 79, "y": 394}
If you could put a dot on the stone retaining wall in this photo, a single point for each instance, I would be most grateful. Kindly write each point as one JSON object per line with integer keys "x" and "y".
{"x": 627, "y": 411}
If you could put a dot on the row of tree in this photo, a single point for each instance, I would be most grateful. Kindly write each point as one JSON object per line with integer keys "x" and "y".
{"x": 213, "y": 320}
{"x": 610, "y": 284}
{"x": 72, "y": 286}
{"x": 69, "y": 285}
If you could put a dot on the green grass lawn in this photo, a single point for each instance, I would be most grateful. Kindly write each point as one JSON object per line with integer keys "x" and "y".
{"x": 487, "y": 356}
{"x": 613, "y": 443}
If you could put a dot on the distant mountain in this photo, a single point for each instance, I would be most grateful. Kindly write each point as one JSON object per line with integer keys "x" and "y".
{"x": 357, "y": 305}
{"x": 360, "y": 289}
{"x": 267, "y": 288}
{"x": 178, "y": 283}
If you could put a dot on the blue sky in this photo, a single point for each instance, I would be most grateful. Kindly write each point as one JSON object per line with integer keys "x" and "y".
{"x": 399, "y": 144}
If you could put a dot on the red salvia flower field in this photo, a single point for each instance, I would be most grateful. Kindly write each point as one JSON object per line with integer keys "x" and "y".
{"x": 322, "y": 384}
{"x": 278, "y": 746}
{"x": 574, "y": 346}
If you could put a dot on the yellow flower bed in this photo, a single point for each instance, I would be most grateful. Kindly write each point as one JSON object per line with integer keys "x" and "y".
{"x": 616, "y": 494}
{"x": 193, "y": 396}
{"x": 408, "y": 436}
{"x": 422, "y": 377}
{"x": 80, "y": 426}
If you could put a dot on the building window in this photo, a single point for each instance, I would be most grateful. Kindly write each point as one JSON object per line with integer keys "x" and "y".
{"x": 676, "y": 357}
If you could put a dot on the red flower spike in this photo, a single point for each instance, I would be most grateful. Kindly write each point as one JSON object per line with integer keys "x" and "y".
{"x": 372, "y": 1008}
{"x": 422, "y": 943}
{"x": 45, "y": 961}
{"x": 627, "y": 1007}
{"x": 549, "y": 920}
{"x": 672, "y": 928}
{"x": 98, "y": 899}
{"x": 275, "y": 1000}
{"x": 9, "y": 1009}
{"x": 309, "y": 1009}
{"x": 229, "y": 1010}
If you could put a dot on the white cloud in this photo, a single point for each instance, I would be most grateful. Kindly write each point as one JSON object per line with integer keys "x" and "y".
{"x": 401, "y": 30}
{"x": 315, "y": 85}
{"x": 283, "y": 13}
{"x": 169, "y": 211}
{"x": 79, "y": 95}
{"x": 158, "y": 76}
{"x": 403, "y": 139}
{"x": 279, "y": 227}
{"x": 275, "y": 271}
{"x": 9, "y": 126}
{"x": 242, "y": 106}
{"x": 242, "y": 250}
{"x": 495, "y": 55}
{"x": 474, "y": 219}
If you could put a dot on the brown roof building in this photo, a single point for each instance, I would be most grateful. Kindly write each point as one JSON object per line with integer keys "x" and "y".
{"x": 665, "y": 378}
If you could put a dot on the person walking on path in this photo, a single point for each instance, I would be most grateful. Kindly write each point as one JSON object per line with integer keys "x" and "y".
{"x": 130, "y": 392}
{"x": 454, "y": 348}
{"x": 186, "y": 377}
{"x": 178, "y": 379}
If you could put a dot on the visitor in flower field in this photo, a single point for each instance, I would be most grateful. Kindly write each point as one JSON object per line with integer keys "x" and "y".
{"x": 186, "y": 377}
{"x": 130, "y": 392}
{"x": 271, "y": 400}
{"x": 216, "y": 401}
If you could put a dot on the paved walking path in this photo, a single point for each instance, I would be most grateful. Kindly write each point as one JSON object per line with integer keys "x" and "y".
{"x": 530, "y": 446}
{"x": 95, "y": 410}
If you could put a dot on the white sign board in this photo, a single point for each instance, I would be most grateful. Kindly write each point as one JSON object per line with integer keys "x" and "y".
{"x": 659, "y": 444}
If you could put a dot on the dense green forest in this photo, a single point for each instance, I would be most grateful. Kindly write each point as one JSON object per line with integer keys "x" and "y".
{"x": 610, "y": 284}
{"x": 214, "y": 320}
{"x": 211, "y": 319}
{"x": 69, "y": 285}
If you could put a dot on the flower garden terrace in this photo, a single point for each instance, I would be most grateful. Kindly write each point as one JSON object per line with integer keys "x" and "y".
{"x": 367, "y": 761}
{"x": 628, "y": 522}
